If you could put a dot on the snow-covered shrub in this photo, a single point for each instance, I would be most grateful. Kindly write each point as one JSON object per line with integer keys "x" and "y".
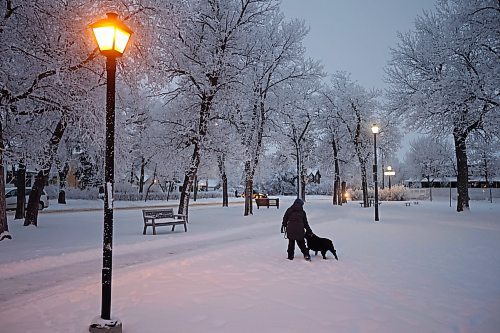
{"x": 395, "y": 193}
{"x": 355, "y": 194}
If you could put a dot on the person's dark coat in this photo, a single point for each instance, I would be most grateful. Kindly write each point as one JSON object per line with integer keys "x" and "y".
{"x": 295, "y": 221}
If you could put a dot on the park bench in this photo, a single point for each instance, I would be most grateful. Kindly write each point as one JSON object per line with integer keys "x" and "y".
{"x": 370, "y": 203}
{"x": 162, "y": 217}
{"x": 267, "y": 202}
{"x": 407, "y": 203}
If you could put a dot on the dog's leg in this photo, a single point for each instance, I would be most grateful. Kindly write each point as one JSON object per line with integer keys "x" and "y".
{"x": 323, "y": 253}
{"x": 334, "y": 253}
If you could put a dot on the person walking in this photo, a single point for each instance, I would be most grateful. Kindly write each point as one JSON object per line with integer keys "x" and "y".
{"x": 295, "y": 226}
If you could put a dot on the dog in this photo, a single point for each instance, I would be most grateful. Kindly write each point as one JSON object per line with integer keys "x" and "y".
{"x": 322, "y": 245}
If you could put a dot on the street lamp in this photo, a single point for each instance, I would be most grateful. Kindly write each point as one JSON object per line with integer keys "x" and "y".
{"x": 389, "y": 172}
{"x": 112, "y": 37}
{"x": 375, "y": 131}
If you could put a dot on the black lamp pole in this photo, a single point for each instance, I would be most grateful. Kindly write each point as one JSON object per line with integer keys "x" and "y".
{"x": 109, "y": 176}
{"x": 375, "y": 174}
{"x": 112, "y": 37}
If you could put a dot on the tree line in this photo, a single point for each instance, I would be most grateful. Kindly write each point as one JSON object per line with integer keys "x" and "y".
{"x": 226, "y": 87}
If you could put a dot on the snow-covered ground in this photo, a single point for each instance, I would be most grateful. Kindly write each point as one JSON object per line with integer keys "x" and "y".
{"x": 423, "y": 268}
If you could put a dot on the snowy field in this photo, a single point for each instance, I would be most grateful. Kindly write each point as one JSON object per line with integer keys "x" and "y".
{"x": 423, "y": 268}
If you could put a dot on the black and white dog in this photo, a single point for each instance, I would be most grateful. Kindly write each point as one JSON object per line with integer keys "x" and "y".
{"x": 322, "y": 245}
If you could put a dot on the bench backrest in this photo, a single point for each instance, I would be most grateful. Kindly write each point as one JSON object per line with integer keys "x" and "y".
{"x": 164, "y": 213}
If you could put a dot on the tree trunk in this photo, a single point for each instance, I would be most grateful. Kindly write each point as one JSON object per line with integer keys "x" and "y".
{"x": 191, "y": 173}
{"x": 131, "y": 181}
{"x": 150, "y": 184}
{"x": 225, "y": 198}
{"x": 43, "y": 175}
{"x": 336, "y": 183}
{"x": 254, "y": 147}
{"x": 462, "y": 171}
{"x": 344, "y": 191}
{"x": 222, "y": 173}
{"x": 170, "y": 188}
{"x": 189, "y": 178}
{"x": 248, "y": 189}
{"x": 184, "y": 197}
{"x": 63, "y": 174}
{"x": 21, "y": 191}
{"x": 297, "y": 167}
{"x": 195, "y": 188}
{"x": 141, "y": 180}
{"x": 303, "y": 178}
{"x": 364, "y": 185}
{"x": 4, "y": 227}
{"x": 486, "y": 179}
{"x": 430, "y": 188}
{"x": 34, "y": 198}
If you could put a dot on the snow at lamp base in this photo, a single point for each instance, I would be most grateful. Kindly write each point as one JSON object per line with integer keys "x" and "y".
{"x": 98, "y": 325}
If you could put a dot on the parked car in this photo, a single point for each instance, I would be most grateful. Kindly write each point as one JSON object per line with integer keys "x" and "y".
{"x": 11, "y": 198}
{"x": 256, "y": 195}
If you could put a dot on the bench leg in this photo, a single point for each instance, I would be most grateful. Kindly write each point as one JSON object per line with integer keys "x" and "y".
{"x": 144, "y": 231}
{"x": 154, "y": 229}
{"x": 185, "y": 227}
{"x": 173, "y": 227}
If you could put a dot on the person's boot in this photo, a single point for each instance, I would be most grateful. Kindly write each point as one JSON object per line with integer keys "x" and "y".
{"x": 290, "y": 256}
{"x": 307, "y": 257}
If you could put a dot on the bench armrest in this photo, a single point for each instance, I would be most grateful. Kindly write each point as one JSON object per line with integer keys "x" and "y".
{"x": 182, "y": 216}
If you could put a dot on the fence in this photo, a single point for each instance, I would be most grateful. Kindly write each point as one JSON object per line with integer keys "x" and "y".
{"x": 444, "y": 193}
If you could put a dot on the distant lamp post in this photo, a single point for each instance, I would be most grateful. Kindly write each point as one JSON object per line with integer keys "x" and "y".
{"x": 389, "y": 172}
{"x": 375, "y": 130}
{"x": 112, "y": 37}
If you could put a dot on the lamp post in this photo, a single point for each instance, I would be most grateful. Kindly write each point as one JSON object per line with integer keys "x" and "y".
{"x": 375, "y": 131}
{"x": 389, "y": 172}
{"x": 112, "y": 37}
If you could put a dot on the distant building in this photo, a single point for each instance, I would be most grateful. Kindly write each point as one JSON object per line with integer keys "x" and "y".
{"x": 314, "y": 177}
{"x": 208, "y": 185}
{"x": 474, "y": 182}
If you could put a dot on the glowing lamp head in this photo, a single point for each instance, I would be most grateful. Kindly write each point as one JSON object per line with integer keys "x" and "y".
{"x": 374, "y": 129}
{"x": 389, "y": 171}
{"x": 112, "y": 35}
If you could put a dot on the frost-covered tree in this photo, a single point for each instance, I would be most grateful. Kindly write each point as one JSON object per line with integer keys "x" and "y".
{"x": 335, "y": 146}
{"x": 444, "y": 76}
{"x": 430, "y": 164}
{"x": 294, "y": 124}
{"x": 274, "y": 57}
{"x": 60, "y": 84}
{"x": 203, "y": 55}
{"x": 485, "y": 157}
{"x": 45, "y": 41}
{"x": 355, "y": 108}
